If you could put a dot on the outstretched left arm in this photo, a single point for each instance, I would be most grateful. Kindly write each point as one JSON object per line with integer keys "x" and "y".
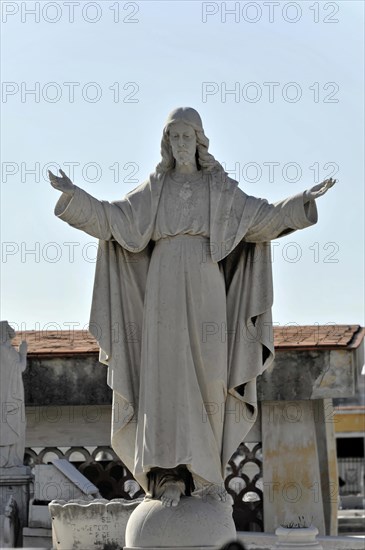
{"x": 318, "y": 190}
{"x": 284, "y": 217}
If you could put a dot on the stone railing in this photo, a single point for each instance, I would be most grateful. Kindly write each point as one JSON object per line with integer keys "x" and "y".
{"x": 101, "y": 466}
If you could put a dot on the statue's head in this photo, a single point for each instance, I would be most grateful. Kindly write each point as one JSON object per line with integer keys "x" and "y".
{"x": 6, "y": 332}
{"x": 188, "y": 119}
{"x": 188, "y": 115}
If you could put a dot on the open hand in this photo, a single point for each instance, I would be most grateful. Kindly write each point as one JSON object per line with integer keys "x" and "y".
{"x": 63, "y": 184}
{"x": 23, "y": 348}
{"x": 319, "y": 189}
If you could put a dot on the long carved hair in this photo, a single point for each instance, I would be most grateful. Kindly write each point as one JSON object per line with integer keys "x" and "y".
{"x": 204, "y": 160}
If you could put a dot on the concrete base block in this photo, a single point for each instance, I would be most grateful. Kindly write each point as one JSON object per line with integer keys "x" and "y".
{"x": 267, "y": 541}
{"x": 194, "y": 523}
{"x": 36, "y": 537}
{"x": 39, "y": 516}
{"x": 174, "y": 548}
{"x": 352, "y": 522}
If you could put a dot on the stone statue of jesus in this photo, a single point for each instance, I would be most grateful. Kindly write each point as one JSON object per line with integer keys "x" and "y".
{"x": 182, "y": 308}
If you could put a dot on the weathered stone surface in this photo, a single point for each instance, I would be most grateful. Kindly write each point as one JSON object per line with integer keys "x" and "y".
{"x": 62, "y": 481}
{"x": 39, "y": 516}
{"x": 297, "y": 375}
{"x": 9, "y": 524}
{"x": 79, "y": 525}
{"x": 15, "y": 482}
{"x": 291, "y": 539}
{"x": 37, "y": 538}
{"x": 153, "y": 526}
{"x": 327, "y": 458}
{"x": 267, "y": 541}
{"x": 78, "y": 380}
{"x": 292, "y": 479}
{"x": 68, "y": 425}
{"x": 12, "y": 365}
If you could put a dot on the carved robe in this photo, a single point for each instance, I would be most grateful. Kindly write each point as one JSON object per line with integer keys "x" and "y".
{"x": 12, "y": 433}
{"x": 182, "y": 313}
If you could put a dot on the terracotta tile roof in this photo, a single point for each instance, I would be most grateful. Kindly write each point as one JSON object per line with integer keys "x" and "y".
{"x": 58, "y": 342}
{"x": 70, "y": 342}
{"x": 318, "y": 336}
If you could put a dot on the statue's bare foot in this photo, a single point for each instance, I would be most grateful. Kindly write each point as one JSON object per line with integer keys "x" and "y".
{"x": 171, "y": 495}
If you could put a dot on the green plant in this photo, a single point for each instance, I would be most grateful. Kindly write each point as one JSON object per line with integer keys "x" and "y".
{"x": 112, "y": 546}
{"x": 300, "y": 524}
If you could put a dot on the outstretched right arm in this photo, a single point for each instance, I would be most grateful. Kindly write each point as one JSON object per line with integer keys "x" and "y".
{"x": 63, "y": 184}
{"x": 129, "y": 221}
{"x": 81, "y": 210}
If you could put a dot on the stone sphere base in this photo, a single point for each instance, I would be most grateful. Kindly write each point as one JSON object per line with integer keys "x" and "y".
{"x": 195, "y": 523}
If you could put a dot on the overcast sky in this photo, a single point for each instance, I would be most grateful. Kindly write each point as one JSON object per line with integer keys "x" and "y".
{"x": 88, "y": 86}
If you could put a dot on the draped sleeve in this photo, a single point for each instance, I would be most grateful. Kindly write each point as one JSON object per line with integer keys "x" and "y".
{"x": 128, "y": 221}
{"x": 242, "y": 227}
{"x": 84, "y": 212}
{"x": 281, "y": 218}
{"x": 124, "y": 229}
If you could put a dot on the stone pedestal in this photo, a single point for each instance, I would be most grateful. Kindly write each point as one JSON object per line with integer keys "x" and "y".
{"x": 195, "y": 524}
{"x": 327, "y": 458}
{"x": 293, "y": 539}
{"x": 292, "y": 477}
{"x": 298, "y": 439}
{"x": 15, "y": 481}
{"x": 300, "y": 464}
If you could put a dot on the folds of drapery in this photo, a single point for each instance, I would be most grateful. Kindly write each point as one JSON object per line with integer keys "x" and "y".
{"x": 125, "y": 247}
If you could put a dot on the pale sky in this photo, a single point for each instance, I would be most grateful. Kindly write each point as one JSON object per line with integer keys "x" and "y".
{"x": 88, "y": 85}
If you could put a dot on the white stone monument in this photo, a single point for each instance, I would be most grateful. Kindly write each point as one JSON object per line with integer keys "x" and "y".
{"x": 183, "y": 261}
{"x": 14, "y": 476}
{"x": 97, "y": 524}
